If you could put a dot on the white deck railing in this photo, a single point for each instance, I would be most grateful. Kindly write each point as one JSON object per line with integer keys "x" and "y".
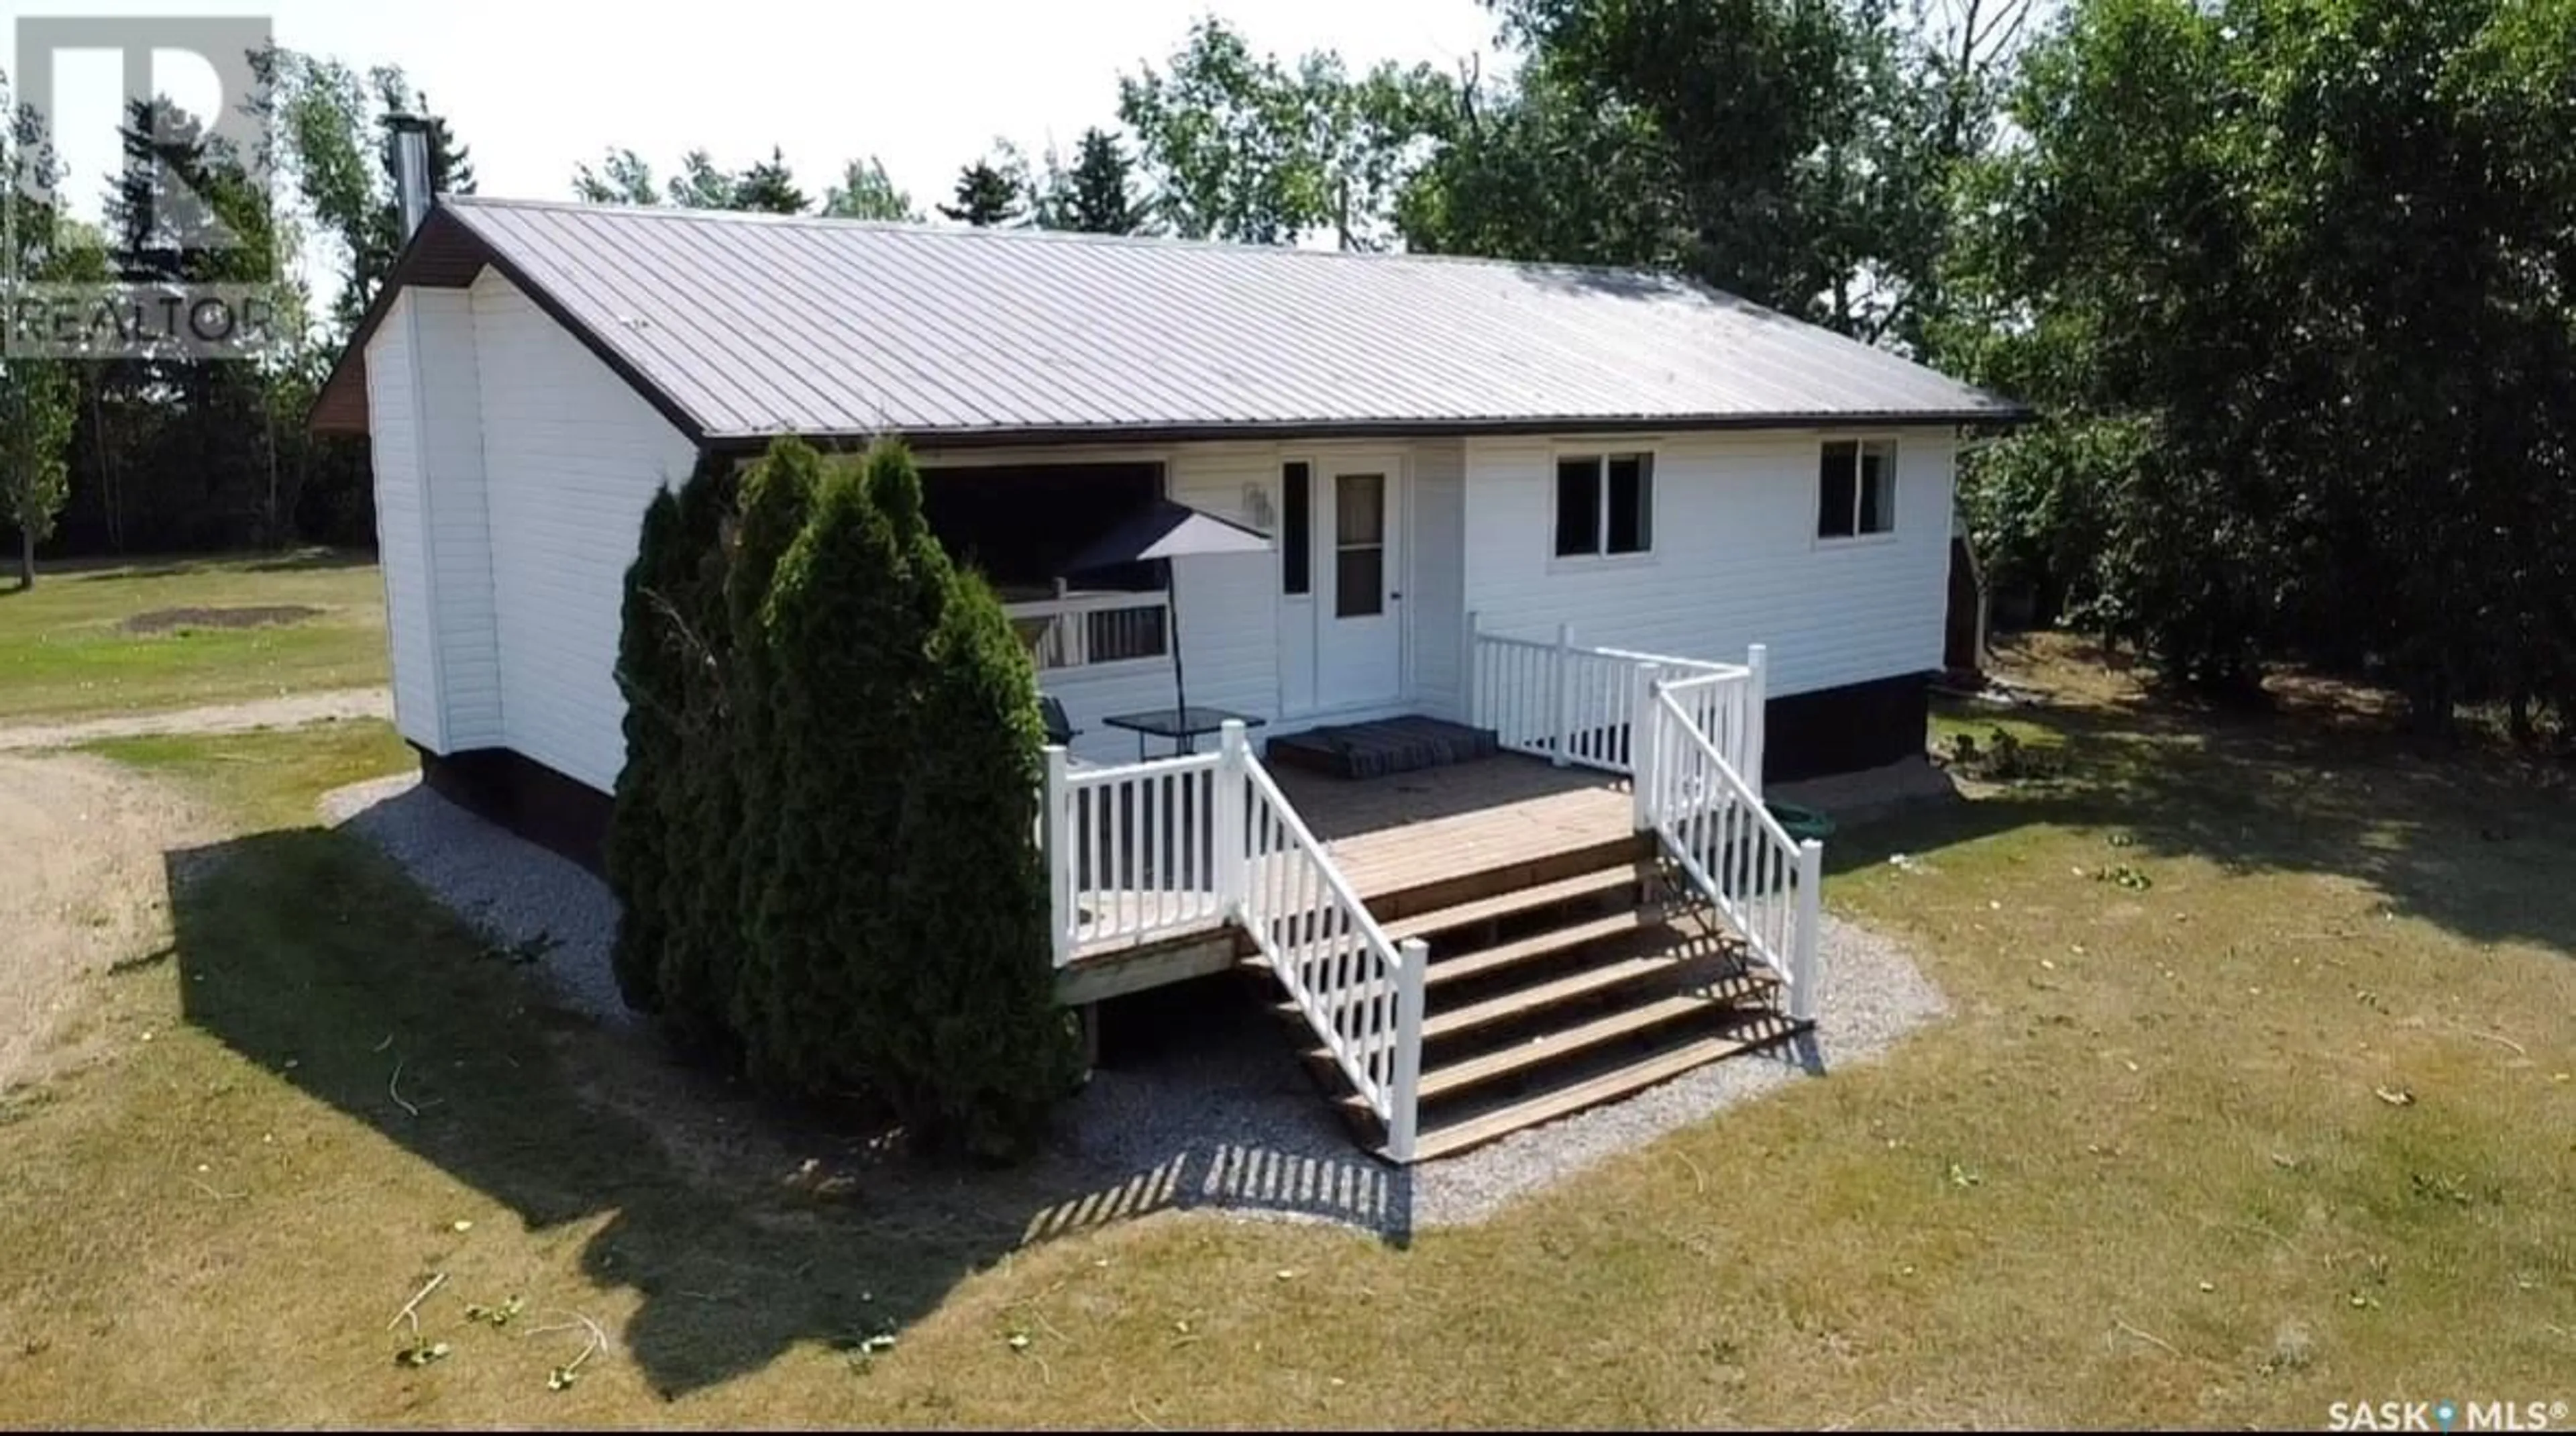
{"x": 1575, "y": 705}
{"x": 1714, "y": 826}
{"x": 1164, "y": 848}
{"x": 1077, "y": 630}
{"x": 1131, "y": 850}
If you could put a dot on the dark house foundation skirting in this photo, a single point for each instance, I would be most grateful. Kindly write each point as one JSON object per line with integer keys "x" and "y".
{"x": 1806, "y": 735}
{"x": 565, "y": 815}
{"x": 1845, "y": 730}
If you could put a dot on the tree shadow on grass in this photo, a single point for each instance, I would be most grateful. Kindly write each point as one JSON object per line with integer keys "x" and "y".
{"x": 2470, "y": 843}
{"x": 745, "y": 1231}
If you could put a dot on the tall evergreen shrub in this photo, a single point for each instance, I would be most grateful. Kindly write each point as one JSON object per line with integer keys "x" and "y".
{"x": 777, "y": 500}
{"x": 648, "y": 674}
{"x": 982, "y": 1051}
{"x": 701, "y": 908}
{"x": 848, "y": 652}
{"x": 971, "y": 1046}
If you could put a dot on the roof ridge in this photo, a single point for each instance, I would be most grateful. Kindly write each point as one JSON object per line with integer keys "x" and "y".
{"x": 1020, "y": 234}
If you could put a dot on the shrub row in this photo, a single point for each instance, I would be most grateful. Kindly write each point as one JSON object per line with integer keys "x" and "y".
{"x": 823, "y": 836}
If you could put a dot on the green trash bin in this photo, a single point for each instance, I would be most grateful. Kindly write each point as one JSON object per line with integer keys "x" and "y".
{"x": 1802, "y": 822}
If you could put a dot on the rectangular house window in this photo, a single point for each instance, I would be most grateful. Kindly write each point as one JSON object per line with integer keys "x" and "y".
{"x": 1605, "y": 504}
{"x": 1296, "y": 529}
{"x": 1359, "y": 545}
{"x": 1856, "y": 488}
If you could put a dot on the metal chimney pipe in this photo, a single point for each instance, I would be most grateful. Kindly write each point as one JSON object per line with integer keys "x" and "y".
{"x": 411, "y": 169}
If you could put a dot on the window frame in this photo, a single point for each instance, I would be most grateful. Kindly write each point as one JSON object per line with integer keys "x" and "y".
{"x": 1601, "y": 554}
{"x": 1816, "y": 495}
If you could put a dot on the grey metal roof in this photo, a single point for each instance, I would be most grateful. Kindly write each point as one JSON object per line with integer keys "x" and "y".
{"x": 742, "y": 326}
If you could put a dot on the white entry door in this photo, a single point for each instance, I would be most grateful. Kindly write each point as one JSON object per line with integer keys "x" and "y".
{"x": 1359, "y": 611}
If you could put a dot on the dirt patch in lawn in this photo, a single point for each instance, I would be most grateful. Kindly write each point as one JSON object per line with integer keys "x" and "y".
{"x": 165, "y": 620}
{"x": 87, "y": 890}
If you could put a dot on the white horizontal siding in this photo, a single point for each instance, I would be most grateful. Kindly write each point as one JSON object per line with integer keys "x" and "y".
{"x": 1435, "y": 597}
{"x": 1735, "y": 558}
{"x": 459, "y": 537}
{"x": 402, "y": 554}
{"x": 571, "y": 457}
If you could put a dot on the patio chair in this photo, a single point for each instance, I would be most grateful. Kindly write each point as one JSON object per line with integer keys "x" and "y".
{"x": 1059, "y": 726}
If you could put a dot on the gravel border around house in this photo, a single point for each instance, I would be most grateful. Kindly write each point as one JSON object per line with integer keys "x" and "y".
{"x": 1212, "y": 1112}
{"x": 509, "y": 890}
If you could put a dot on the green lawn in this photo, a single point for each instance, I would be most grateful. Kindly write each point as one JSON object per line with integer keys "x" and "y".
{"x": 2257, "y": 1096}
{"x": 69, "y": 648}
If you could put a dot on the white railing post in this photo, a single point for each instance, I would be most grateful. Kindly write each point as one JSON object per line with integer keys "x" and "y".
{"x": 1561, "y": 694}
{"x": 1645, "y": 726}
{"x": 1757, "y": 694}
{"x": 1471, "y": 698}
{"x": 1059, "y": 854}
{"x": 1233, "y": 889}
{"x": 1403, "y": 1093}
{"x": 1803, "y": 975}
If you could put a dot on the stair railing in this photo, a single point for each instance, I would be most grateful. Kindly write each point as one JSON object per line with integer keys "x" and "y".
{"x": 1717, "y": 831}
{"x": 1360, "y": 992}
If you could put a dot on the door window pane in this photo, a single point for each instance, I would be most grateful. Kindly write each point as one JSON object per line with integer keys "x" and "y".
{"x": 1359, "y": 582}
{"x": 1359, "y": 544}
{"x": 1359, "y": 508}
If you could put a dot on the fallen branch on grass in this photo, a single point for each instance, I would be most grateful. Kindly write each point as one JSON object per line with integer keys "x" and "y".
{"x": 562, "y": 1377}
{"x": 411, "y": 1308}
{"x": 2463, "y": 1028}
{"x": 2149, "y": 1337}
{"x": 393, "y": 1086}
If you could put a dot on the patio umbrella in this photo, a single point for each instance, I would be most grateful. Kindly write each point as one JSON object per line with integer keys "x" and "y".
{"x": 1165, "y": 530}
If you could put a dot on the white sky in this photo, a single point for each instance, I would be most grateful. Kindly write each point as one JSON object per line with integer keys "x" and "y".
{"x": 535, "y": 87}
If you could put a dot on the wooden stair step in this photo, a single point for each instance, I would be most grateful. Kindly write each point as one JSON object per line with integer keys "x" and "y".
{"x": 1582, "y": 885}
{"x": 1442, "y": 1081}
{"x": 1494, "y": 959}
{"x": 1538, "y": 997}
{"x": 1454, "y": 1137}
{"x": 1474, "y": 883}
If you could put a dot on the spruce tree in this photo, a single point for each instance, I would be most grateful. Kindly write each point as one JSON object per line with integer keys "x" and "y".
{"x": 1100, "y": 198}
{"x": 701, "y": 906}
{"x": 639, "y": 862}
{"x": 985, "y": 196}
{"x": 777, "y": 499}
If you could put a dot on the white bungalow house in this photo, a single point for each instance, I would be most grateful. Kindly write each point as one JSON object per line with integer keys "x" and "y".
{"x": 1649, "y": 541}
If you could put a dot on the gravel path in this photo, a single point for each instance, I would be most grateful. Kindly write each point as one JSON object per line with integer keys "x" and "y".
{"x": 291, "y": 711}
{"x": 509, "y": 890}
{"x": 1205, "y": 1107}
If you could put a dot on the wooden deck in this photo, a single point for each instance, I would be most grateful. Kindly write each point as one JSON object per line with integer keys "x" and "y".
{"x": 1411, "y": 829}
{"x": 1390, "y": 835}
